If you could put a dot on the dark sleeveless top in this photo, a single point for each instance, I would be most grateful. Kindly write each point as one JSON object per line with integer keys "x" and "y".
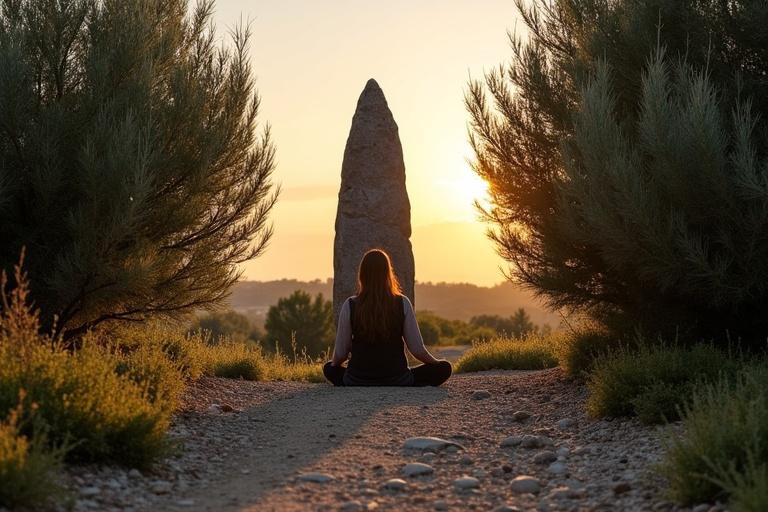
{"x": 382, "y": 361}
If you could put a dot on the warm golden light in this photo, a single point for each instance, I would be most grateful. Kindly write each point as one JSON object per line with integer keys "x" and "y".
{"x": 312, "y": 60}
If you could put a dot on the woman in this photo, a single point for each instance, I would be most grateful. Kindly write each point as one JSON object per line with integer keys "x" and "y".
{"x": 372, "y": 326}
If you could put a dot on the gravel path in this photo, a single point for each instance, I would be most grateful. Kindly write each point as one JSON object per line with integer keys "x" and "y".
{"x": 293, "y": 446}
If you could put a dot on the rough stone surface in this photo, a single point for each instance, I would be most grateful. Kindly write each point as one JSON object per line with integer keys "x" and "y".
{"x": 374, "y": 210}
{"x": 417, "y": 469}
{"x": 524, "y": 484}
{"x": 428, "y": 443}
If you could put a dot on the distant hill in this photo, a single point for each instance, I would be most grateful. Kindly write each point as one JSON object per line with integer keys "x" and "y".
{"x": 459, "y": 301}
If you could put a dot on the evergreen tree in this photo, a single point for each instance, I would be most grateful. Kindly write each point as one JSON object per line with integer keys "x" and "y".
{"x": 299, "y": 318}
{"x": 130, "y": 164}
{"x": 630, "y": 190}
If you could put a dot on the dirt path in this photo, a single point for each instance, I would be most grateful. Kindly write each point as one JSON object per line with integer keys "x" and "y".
{"x": 258, "y": 457}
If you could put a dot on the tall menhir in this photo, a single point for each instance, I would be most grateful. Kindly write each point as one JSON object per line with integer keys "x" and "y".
{"x": 374, "y": 210}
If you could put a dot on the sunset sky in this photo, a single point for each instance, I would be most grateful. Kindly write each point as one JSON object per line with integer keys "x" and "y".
{"x": 312, "y": 59}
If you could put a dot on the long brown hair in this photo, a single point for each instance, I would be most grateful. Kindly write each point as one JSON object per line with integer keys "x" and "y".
{"x": 378, "y": 294}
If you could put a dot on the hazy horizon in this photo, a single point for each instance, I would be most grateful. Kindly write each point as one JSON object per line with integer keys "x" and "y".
{"x": 312, "y": 60}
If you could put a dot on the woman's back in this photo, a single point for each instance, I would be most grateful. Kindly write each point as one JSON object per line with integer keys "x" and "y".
{"x": 378, "y": 360}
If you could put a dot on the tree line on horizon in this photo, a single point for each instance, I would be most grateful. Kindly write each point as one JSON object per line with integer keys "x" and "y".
{"x": 303, "y": 323}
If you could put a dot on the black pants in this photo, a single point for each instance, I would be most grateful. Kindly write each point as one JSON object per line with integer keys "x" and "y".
{"x": 423, "y": 375}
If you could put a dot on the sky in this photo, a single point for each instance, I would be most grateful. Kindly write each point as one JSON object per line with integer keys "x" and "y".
{"x": 312, "y": 59}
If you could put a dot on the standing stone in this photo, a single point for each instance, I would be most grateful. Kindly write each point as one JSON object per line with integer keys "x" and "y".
{"x": 374, "y": 211}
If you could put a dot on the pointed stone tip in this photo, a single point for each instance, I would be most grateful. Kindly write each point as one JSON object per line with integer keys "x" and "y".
{"x": 372, "y": 94}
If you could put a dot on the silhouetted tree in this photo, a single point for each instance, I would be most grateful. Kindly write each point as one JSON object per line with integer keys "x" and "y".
{"x": 309, "y": 321}
{"x": 132, "y": 170}
{"x": 636, "y": 192}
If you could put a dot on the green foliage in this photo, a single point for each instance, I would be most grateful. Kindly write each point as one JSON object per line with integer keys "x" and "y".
{"x": 530, "y": 353}
{"x": 723, "y": 447}
{"x": 235, "y": 361}
{"x": 579, "y": 349}
{"x": 653, "y": 381}
{"x": 430, "y": 330}
{"x": 227, "y": 323}
{"x": 626, "y": 184}
{"x": 133, "y": 170}
{"x": 107, "y": 408}
{"x": 27, "y": 466}
{"x": 437, "y": 330}
{"x": 518, "y": 325}
{"x": 301, "y": 320}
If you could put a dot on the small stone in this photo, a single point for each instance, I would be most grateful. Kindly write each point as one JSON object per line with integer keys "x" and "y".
{"x": 440, "y": 505}
{"x": 185, "y": 503}
{"x": 466, "y": 460}
{"x": 531, "y": 441}
{"x": 506, "y": 508}
{"x": 414, "y": 469}
{"x": 562, "y": 493}
{"x": 565, "y": 423}
{"x": 524, "y": 484}
{"x": 161, "y": 487}
{"x": 511, "y": 441}
{"x": 432, "y": 444}
{"x": 90, "y": 491}
{"x": 704, "y": 507}
{"x": 466, "y": 483}
{"x": 352, "y": 506}
{"x": 318, "y": 478}
{"x": 371, "y": 505}
{"x": 395, "y": 484}
{"x": 563, "y": 451}
{"x": 520, "y": 416}
{"x": 557, "y": 468}
{"x": 134, "y": 473}
{"x": 451, "y": 449}
{"x": 621, "y": 488}
{"x": 481, "y": 394}
{"x": 544, "y": 457}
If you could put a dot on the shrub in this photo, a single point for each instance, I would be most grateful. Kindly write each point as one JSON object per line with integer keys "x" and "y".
{"x": 430, "y": 330}
{"x": 578, "y": 350}
{"x": 302, "y": 320}
{"x": 235, "y": 361}
{"x": 633, "y": 191}
{"x": 146, "y": 197}
{"x": 530, "y": 353}
{"x": 186, "y": 351}
{"x": 652, "y": 381}
{"x": 27, "y": 466}
{"x": 81, "y": 398}
{"x": 723, "y": 447}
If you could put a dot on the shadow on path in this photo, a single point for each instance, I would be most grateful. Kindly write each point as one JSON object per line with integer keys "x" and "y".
{"x": 286, "y": 436}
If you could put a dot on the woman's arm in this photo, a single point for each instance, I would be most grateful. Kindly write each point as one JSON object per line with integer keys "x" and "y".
{"x": 343, "y": 336}
{"x": 412, "y": 335}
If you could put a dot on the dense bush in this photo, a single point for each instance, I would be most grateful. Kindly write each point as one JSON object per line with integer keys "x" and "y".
{"x": 299, "y": 321}
{"x": 518, "y": 325}
{"x": 652, "y": 381}
{"x": 530, "y": 353}
{"x": 28, "y": 466}
{"x": 723, "y": 447}
{"x": 578, "y": 350}
{"x": 133, "y": 169}
{"x": 634, "y": 191}
{"x": 106, "y": 407}
{"x": 437, "y": 330}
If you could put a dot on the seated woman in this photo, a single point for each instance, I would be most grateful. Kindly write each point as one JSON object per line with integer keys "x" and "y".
{"x": 372, "y": 327}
